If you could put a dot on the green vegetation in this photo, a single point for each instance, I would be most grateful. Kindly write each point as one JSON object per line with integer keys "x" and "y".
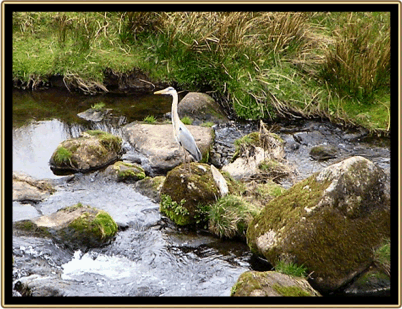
{"x": 292, "y": 269}
{"x": 187, "y": 120}
{"x": 174, "y": 210}
{"x": 150, "y": 119}
{"x": 62, "y": 156}
{"x": 109, "y": 141}
{"x": 98, "y": 106}
{"x": 382, "y": 257}
{"x": 207, "y": 124}
{"x": 230, "y": 216}
{"x": 263, "y": 64}
{"x": 291, "y": 291}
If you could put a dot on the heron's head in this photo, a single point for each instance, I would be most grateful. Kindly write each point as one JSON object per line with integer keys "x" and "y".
{"x": 168, "y": 90}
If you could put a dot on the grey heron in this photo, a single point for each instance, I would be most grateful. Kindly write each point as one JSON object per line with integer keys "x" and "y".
{"x": 180, "y": 132}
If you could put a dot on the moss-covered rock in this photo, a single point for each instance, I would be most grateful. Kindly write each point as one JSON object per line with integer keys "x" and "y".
{"x": 201, "y": 107}
{"x": 371, "y": 282}
{"x": 271, "y": 283}
{"x": 77, "y": 226}
{"x": 192, "y": 183}
{"x": 151, "y": 187}
{"x": 125, "y": 171}
{"x": 330, "y": 222}
{"x": 92, "y": 150}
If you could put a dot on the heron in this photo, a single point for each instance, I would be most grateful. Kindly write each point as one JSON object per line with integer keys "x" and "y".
{"x": 181, "y": 134}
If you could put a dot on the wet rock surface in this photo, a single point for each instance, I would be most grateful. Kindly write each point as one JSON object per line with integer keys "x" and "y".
{"x": 27, "y": 189}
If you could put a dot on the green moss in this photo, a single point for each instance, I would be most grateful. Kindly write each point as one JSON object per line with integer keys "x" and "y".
{"x": 207, "y": 124}
{"x": 187, "y": 120}
{"x": 109, "y": 141}
{"x": 31, "y": 229}
{"x": 382, "y": 256}
{"x": 247, "y": 282}
{"x": 292, "y": 291}
{"x": 91, "y": 229}
{"x": 62, "y": 156}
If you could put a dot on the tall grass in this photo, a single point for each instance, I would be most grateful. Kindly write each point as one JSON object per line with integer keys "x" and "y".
{"x": 259, "y": 65}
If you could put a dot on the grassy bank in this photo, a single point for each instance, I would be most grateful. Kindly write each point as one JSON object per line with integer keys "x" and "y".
{"x": 259, "y": 65}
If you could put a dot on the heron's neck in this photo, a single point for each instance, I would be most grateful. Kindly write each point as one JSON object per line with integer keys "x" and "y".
{"x": 175, "y": 115}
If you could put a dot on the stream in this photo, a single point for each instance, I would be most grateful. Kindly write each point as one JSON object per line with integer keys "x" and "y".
{"x": 149, "y": 255}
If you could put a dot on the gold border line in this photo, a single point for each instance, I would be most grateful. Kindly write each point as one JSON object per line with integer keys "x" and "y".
{"x": 194, "y": 2}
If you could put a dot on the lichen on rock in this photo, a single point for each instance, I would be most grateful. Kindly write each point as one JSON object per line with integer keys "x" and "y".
{"x": 329, "y": 222}
{"x": 271, "y": 283}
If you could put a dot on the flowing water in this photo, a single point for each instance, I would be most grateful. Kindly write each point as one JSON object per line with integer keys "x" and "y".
{"x": 149, "y": 256}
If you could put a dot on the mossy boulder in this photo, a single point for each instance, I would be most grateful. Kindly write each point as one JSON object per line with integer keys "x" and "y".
{"x": 185, "y": 190}
{"x": 78, "y": 226}
{"x": 28, "y": 189}
{"x": 330, "y": 222}
{"x": 92, "y": 150}
{"x": 125, "y": 171}
{"x": 151, "y": 187}
{"x": 271, "y": 283}
{"x": 201, "y": 108}
{"x": 156, "y": 147}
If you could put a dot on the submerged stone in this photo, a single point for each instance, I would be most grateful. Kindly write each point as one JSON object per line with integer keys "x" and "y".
{"x": 92, "y": 150}
{"x": 323, "y": 152}
{"x": 330, "y": 222}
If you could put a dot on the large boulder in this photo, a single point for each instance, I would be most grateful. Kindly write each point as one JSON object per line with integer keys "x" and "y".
{"x": 157, "y": 148}
{"x": 78, "y": 226}
{"x": 201, "y": 108}
{"x": 330, "y": 222}
{"x": 185, "y": 190}
{"x": 92, "y": 150}
{"x": 27, "y": 189}
{"x": 271, "y": 283}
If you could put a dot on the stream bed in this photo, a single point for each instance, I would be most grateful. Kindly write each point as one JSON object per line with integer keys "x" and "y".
{"x": 149, "y": 255}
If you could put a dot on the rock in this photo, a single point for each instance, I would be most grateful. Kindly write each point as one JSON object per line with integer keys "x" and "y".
{"x": 93, "y": 114}
{"x": 157, "y": 146}
{"x": 323, "y": 152}
{"x": 330, "y": 222}
{"x": 78, "y": 226}
{"x": 201, "y": 108}
{"x": 150, "y": 187}
{"x": 220, "y": 181}
{"x": 271, "y": 283}
{"x": 92, "y": 150}
{"x": 125, "y": 171}
{"x": 187, "y": 188}
{"x": 42, "y": 286}
{"x": 252, "y": 150}
{"x": 27, "y": 189}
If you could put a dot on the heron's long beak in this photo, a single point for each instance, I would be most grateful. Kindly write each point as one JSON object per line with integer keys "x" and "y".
{"x": 160, "y": 91}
